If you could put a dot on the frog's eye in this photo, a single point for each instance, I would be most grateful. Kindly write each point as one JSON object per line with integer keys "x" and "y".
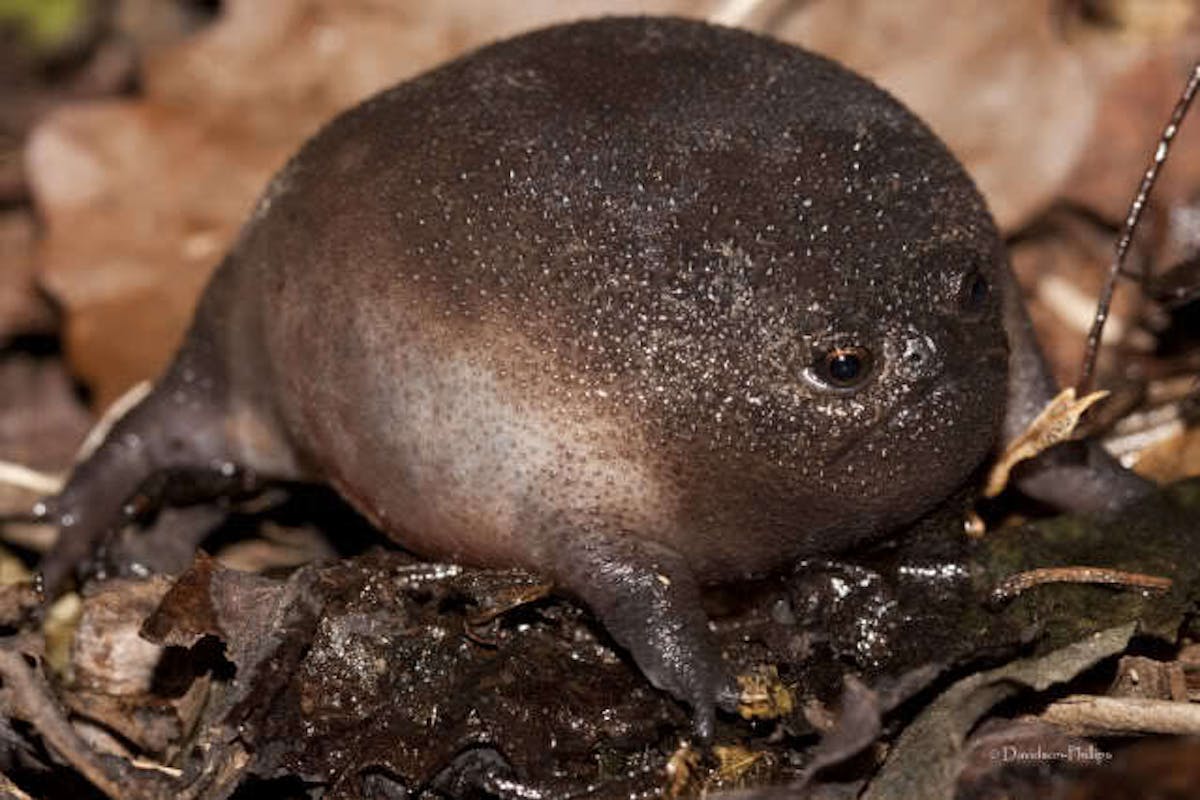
{"x": 842, "y": 367}
{"x": 974, "y": 291}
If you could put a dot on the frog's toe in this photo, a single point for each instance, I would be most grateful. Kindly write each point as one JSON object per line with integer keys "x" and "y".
{"x": 649, "y": 601}
{"x": 717, "y": 690}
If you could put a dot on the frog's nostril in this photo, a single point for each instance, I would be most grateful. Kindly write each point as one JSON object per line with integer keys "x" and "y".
{"x": 919, "y": 355}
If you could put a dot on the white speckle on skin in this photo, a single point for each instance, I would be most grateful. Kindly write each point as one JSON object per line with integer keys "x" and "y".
{"x": 944, "y": 572}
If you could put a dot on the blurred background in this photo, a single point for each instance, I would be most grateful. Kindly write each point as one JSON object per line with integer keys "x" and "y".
{"x": 135, "y": 135}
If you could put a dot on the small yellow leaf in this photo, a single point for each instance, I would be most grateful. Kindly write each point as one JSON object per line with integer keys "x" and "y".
{"x": 682, "y": 767}
{"x": 973, "y": 525}
{"x": 763, "y": 696}
{"x": 733, "y": 761}
{"x": 1055, "y": 424}
{"x": 62, "y": 618}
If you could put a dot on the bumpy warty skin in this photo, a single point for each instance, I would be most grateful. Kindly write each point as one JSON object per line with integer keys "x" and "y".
{"x": 588, "y": 269}
{"x": 563, "y": 304}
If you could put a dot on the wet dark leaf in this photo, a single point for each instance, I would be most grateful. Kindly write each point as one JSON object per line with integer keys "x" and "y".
{"x": 928, "y": 757}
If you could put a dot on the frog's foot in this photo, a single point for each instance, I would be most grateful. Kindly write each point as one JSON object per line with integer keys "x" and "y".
{"x": 136, "y": 468}
{"x": 1080, "y": 477}
{"x": 648, "y": 600}
{"x": 1073, "y": 476}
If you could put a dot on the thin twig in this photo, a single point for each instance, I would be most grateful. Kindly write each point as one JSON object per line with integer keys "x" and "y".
{"x": 28, "y": 532}
{"x": 734, "y": 13}
{"x": 1014, "y": 585}
{"x": 1131, "y": 222}
{"x": 10, "y": 791}
{"x": 113, "y": 414}
{"x": 1093, "y": 715}
{"x": 44, "y": 483}
{"x": 34, "y": 703}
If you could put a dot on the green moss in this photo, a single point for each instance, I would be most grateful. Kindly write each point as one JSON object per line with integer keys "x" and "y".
{"x": 932, "y": 618}
{"x": 44, "y": 24}
{"x": 1159, "y": 537}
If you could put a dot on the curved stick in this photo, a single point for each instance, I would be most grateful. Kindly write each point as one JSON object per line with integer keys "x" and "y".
{"x": 1131, "y": 222}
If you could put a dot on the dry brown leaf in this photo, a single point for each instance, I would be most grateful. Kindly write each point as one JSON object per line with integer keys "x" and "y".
{"x": 108, "y": 654}
{"x": 1139, "y": 676}
{"x": 22, "y": 309}
{"x": 1173, "y": 459}
{"x": 1014, "y": 98}
{"x": 1055, "y": 424}
{"x": 1131, "y": 112}
{"x": 1061, "y": 274}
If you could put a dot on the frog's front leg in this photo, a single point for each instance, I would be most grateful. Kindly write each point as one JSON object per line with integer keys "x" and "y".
{"x": 1078, "y": 476}
{"x": 648, "y": 599}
